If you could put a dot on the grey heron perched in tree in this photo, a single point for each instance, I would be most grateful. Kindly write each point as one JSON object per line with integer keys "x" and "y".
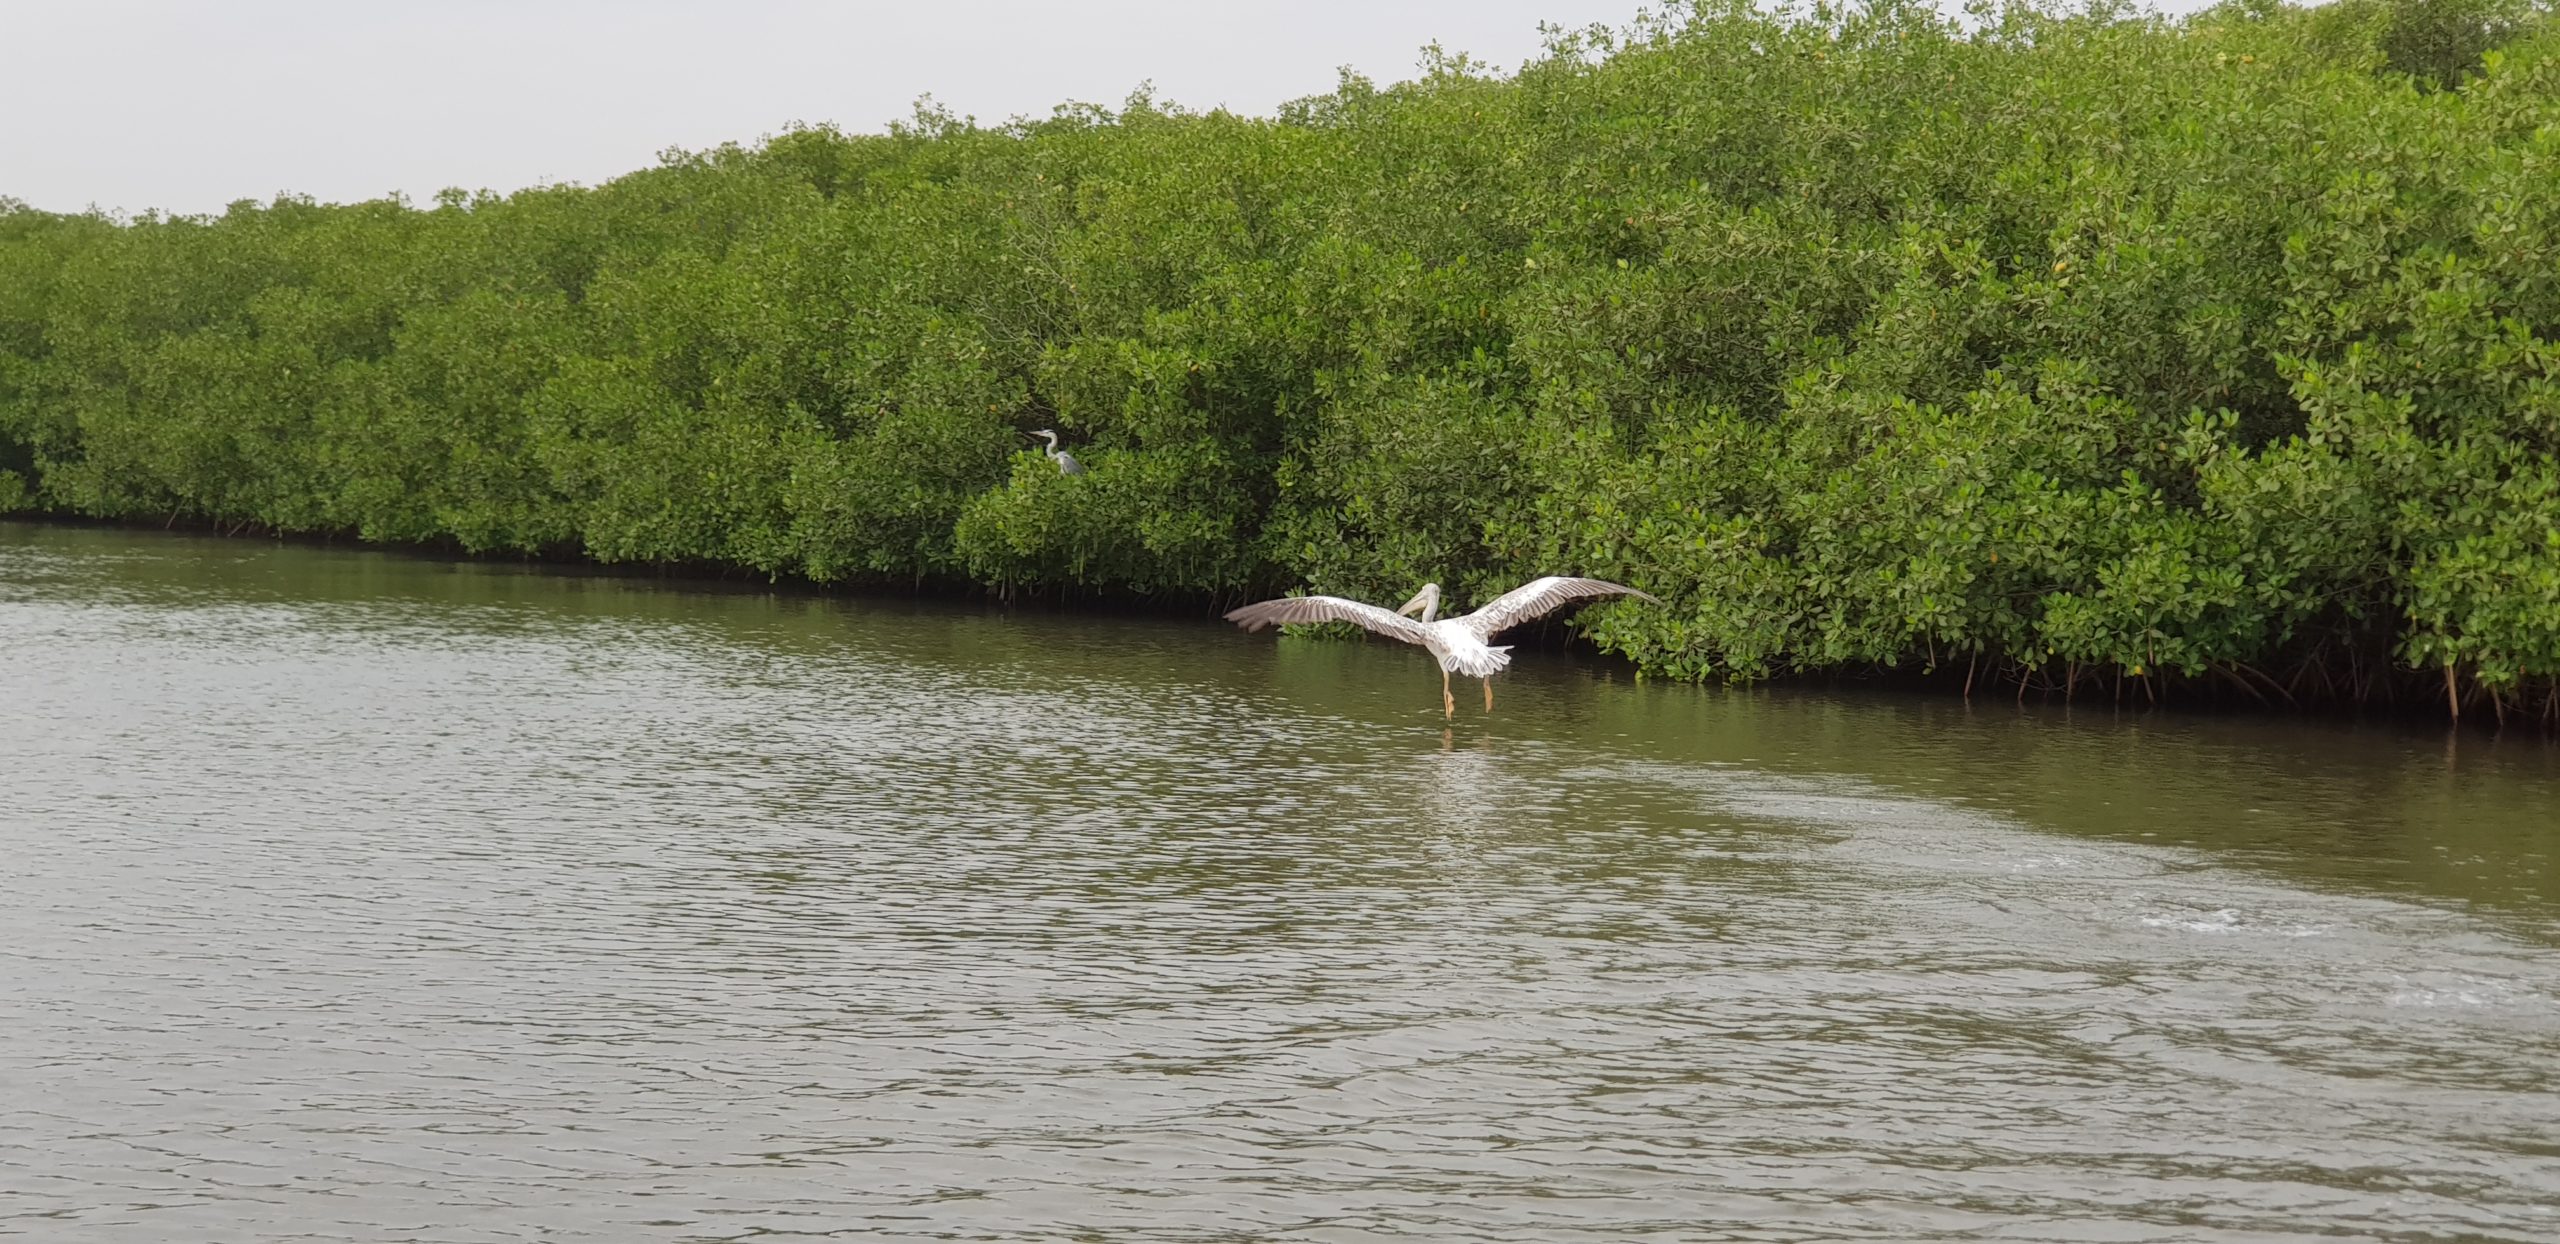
{"x": 1067, "y": 464}
{"x": 1458, "y": 642}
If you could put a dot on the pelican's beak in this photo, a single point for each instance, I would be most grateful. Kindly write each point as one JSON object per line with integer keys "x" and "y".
{"x": 1415, "y": 605}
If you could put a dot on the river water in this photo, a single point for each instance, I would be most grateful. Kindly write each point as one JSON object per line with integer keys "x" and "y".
{"x": 348, "y": 895}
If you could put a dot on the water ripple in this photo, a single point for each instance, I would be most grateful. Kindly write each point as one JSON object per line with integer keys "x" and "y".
{"x": 353, "y": 897}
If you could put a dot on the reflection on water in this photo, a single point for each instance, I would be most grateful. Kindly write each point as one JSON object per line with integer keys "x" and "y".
{"x": 356, "y": 896}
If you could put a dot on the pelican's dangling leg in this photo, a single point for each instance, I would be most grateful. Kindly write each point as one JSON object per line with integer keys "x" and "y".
{"x": 1448, "y": 702}
{"x": 1488, "y": 695}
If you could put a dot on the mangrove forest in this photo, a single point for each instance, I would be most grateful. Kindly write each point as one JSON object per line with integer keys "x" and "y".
{"x": 2079, "y": 352}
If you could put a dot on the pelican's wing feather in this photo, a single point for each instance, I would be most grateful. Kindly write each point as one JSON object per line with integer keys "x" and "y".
{"x": 1538, "y": 598}
{"x": 1330, "y": 609}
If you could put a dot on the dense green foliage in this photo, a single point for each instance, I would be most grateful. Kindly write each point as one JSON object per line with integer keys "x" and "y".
{"x": 2054, "y": 344}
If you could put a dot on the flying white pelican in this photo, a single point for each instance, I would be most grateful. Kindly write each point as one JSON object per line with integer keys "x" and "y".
{"x": 1067, "y": 464}
{"x": 1459, "y": 642}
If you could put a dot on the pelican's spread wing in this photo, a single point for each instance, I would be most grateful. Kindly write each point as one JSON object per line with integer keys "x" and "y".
{"x": 1330, "y": 609}
{"x": 1538, "y": 598}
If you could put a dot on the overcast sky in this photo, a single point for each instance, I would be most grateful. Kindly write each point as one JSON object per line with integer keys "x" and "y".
{"x": 188, "y": 106}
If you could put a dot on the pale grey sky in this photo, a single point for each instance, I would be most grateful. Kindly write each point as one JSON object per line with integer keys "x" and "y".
{"x": 188, "y": 106}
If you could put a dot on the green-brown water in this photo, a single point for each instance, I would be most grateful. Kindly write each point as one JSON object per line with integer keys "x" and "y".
{"x": 353, "y": 896}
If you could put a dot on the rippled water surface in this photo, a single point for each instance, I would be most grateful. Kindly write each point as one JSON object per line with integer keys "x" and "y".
{"x": 354, "y": 896}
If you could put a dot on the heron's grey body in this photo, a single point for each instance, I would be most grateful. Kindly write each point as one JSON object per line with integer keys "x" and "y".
{"x": 1460, "y": 643}
{"x": 1067, "y": 464}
